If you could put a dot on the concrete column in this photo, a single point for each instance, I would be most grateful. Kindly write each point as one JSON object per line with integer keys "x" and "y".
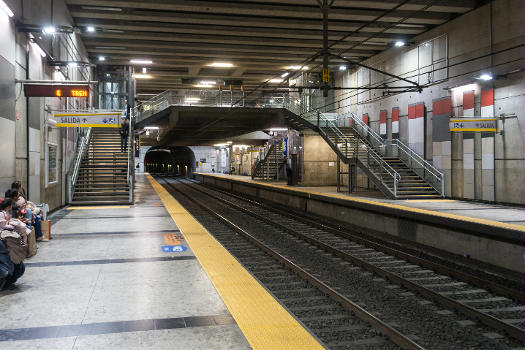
{"x": 457, "y": 165}
{"x": 478, "y": 174}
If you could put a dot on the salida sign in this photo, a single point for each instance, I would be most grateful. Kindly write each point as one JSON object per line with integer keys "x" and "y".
{"x": 86, "y": 119}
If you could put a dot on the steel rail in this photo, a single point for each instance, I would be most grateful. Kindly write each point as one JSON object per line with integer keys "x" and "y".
{"x": 466, "y": 277}
{"x": 513, "y": 331}
{"x": 396, "y": 336}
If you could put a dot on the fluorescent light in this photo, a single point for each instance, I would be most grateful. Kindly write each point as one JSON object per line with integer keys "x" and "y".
{"x": 203, "y": 86}
{"x": 39, "y": 49}
{"x": 285, "y": 74}
{"x": 49, "y": 30}
{"x": 296, "y": 67}
{"x": 101, "y": 58}
{"x": 221, "y": 64}
{"x": 275, "y": 80}
{"x": 229, "y": 142}
{"x": 139, "y": 61}
{"x": 144, "y": 70}
{"x": 399, "y": 43}
{"x": 192, "y": 99}
{"x": 486, "y": 77}
{"x": 101, "y": 8}
{"x": 272, "y": 100}
{"x": 72, "y": 64}
{"x": 221, "y": 145}
{"x": 278, "y": 129}
{"x": 142, "y": 76}
{"x": 6, "y": 9}
{"x": 90, "y": 29}
{"x": 151, "y": 128}
{"x": 342, "y": 67}
{"x": 208, "y": 82}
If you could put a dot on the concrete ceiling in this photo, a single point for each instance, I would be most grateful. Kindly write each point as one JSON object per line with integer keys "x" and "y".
{"x": 260, "y": 37}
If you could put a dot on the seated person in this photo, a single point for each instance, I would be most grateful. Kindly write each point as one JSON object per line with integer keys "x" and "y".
{"x": 9, "y": 272}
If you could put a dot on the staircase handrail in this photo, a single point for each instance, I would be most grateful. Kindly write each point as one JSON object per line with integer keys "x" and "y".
{"x": 131, "y": 149}
{"x": 425, "y": 165}
{"x": 364, "y": 126}
{"x": 263, "y": 159}
{"x": 384, "y": 165}
{"x": 81, "y": 152}
{"x": 402, "y": 147}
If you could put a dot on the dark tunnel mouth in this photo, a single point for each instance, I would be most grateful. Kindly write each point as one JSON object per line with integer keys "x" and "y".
{"x": 171, "y": 160}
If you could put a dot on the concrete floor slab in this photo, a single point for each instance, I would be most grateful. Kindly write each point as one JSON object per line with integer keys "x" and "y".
{"x": 105, "y": 272}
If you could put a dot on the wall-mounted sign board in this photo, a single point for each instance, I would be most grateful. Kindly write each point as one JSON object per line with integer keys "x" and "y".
{"x": 474, "y": 125}
{"x": 88, "y": 119}
{"x": 43, "y": 90}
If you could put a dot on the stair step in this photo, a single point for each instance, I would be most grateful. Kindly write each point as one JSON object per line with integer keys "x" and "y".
{"x": 100, "y": 193}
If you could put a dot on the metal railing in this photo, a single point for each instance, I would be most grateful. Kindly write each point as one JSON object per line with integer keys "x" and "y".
{"x": 224, "y": 98}
{"x": 361, "y": 151}
{"x": 397, "y": 149}
{"x": 75, "y": 167}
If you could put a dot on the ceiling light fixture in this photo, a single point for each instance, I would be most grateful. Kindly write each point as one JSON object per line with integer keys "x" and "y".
{"x": 221, "y": 64}
{"x": 486, "y": 77}
{"x": 101, "y": 8}
{"x": 139, "y": 61}
{"x": 342, "y": 67}
{"x": 285, "y": 74}
{"x": 6, "y": 9}
{"x": 151, "y": 128}
{"x": 144, "y": 70}
{"x": 90, "y": 29}
{"x": 101, "y": 58}
{"x": 72, "y": 64}
{"x": 142, "y": 76}
{"x": 297, "y": 67}
{"x": 275, "y": 80}
{"x": 208, "y": 82}
{"x": 192, "y": 99}
{"x": 203, "y": 86}
{"x": 399, "y": 43}
{"x": 49, "y": 30}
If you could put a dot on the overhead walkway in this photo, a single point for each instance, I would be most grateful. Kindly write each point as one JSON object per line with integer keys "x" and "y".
{"x": 395, "y": 169}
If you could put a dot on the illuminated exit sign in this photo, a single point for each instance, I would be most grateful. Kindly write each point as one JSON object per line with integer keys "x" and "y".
{"x": 41, "y": 90}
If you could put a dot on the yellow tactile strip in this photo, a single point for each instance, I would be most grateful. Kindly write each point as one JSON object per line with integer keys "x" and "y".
{"x": 264, "y": 322}
{"x": 381, "y": 204}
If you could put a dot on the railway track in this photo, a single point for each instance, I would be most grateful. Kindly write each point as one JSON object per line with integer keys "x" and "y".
{"x": 430, "y": 307}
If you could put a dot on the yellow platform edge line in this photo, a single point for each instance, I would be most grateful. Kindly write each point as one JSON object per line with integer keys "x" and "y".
{"x": 99, "y": 207}
{"x": 387, "y": 205}
{"x": 263, "y": 321}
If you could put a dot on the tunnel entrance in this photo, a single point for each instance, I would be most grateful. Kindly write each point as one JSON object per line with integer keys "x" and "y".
{"x": 177, "y": 161}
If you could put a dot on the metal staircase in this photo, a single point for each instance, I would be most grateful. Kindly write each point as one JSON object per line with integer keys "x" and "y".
{"x": 398, "y": 171}
{"x": 269, "y": 166}
{"x": 103, "y": 174}
{"x": 393, "y": 167}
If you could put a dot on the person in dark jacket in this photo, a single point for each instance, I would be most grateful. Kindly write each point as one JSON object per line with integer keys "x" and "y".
{"x": 9, "y": 272}
{"x": 124, "y": 131}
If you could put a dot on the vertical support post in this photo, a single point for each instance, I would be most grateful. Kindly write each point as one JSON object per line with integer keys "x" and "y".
{"x": 338, "y": 175}
{"x": 325, "y": 8}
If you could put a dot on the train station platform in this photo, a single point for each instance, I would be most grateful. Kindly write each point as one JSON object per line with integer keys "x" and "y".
{"x": 142, "y": 276}
{"x": 512, "y": 215}
{"x": 488, "y": 233}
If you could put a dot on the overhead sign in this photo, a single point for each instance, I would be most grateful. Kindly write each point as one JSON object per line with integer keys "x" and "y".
{"x": 474, "y": 125}
{"x": 43, "y": 90}
{"x": 87, "y": 119}
{"x": 326, "y": 75}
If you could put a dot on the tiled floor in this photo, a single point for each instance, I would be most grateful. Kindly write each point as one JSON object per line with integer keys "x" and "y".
{"x": 104, "y": 282}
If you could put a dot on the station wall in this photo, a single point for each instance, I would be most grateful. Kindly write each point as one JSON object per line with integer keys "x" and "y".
{"x": 33, "y": 151}
{"x": 476, "y": 166}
